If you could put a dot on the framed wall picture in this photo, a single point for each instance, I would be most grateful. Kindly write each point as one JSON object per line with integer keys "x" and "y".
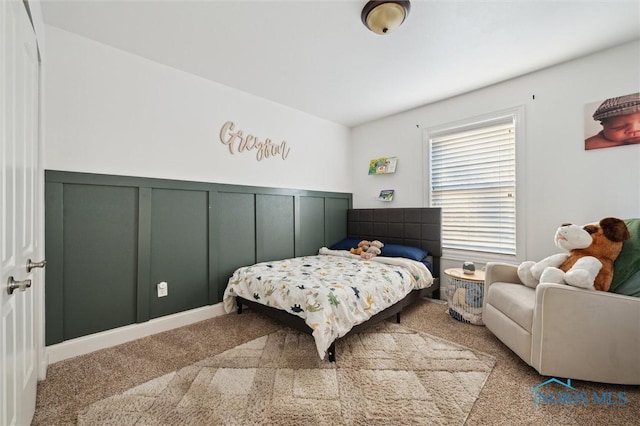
{"x": 386, "y": 195}
{"x": 612, "y": 122}
{"x": 383, "y": 165}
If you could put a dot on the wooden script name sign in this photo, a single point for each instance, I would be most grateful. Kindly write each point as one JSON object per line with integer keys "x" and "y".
{"x": 237, "y": 139}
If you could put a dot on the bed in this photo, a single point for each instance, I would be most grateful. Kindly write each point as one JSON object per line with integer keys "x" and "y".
{"x": 335, "y": 293}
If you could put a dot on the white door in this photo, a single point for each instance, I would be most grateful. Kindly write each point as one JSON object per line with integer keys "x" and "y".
{"x": 19, "y": 210}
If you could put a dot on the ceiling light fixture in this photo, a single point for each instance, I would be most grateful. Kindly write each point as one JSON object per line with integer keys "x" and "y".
{"x": 383, "y": 17}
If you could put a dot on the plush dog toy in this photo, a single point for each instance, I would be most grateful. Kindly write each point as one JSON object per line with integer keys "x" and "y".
{"x": 373, "y": 250}
{"x": 592, "y": 249}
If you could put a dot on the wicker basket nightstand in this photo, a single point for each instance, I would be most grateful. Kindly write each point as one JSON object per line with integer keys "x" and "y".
{"x": 465, "y": 293}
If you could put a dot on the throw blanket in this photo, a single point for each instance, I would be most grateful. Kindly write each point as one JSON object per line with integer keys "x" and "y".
{"x": 332, "y": 291}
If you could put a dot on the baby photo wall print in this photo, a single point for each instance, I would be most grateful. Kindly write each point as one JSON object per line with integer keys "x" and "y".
{"x": 612, "y": 122}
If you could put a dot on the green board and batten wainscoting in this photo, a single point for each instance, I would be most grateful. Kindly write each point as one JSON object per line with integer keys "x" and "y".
{"x": 111, "y": 239}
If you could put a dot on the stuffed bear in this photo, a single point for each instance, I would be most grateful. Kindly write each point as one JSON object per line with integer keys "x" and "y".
{"x": 362, "y": 247}
{"x": 373, "y": 250}
{"x": 592, "y": 249}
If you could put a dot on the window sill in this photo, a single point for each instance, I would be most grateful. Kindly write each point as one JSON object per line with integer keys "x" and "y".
{"x": 477, "y": 257}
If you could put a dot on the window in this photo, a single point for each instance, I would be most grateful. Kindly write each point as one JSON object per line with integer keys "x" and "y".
{"x": 472, "y": 176}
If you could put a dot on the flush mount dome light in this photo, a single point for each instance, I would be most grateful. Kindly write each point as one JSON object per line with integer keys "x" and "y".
{"x": 383, "y": 17}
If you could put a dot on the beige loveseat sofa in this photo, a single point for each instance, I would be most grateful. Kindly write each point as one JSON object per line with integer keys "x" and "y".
{"x": 563, "y": 331}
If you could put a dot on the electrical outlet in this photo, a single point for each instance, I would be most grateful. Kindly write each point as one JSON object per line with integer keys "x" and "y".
{"x": 163, "y": 289}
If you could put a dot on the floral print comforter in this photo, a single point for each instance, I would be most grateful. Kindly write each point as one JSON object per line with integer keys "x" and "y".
{"x": 332, "y": 291}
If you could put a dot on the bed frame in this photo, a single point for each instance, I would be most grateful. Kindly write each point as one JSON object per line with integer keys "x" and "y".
{"x": 418, "y": 227}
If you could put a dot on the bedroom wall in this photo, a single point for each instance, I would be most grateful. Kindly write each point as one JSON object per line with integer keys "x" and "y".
{"x": 112, "y": 112}
{"x": 118, "y": 117}
{"x": 562, "y": 182}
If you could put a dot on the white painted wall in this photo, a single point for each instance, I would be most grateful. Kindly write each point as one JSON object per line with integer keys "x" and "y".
{"x": 112, "y": 112}
{"x": 562, "y": 182}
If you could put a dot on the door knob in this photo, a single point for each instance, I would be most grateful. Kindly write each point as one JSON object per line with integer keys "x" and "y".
{"x": 31, "y": 265}
{"x": 12, "y": 285}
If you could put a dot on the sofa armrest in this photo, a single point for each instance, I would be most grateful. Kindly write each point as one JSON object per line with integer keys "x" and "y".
{"x": 591, "y": 335}
{"x": 499, "y": 272}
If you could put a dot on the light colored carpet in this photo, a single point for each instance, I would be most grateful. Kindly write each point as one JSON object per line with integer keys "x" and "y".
{"x": 389, "y": 375}
{"x": 75, "y": 384}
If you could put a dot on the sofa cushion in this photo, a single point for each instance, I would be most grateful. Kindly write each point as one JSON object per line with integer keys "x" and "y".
{"x": 628, "y": 262}
{"x": 630, "y": 287}
{"x": 515, "y": 301}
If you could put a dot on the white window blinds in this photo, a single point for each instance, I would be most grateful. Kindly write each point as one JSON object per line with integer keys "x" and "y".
{"x": 473, "y": 179}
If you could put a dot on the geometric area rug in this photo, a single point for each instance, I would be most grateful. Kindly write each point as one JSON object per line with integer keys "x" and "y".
{"x": 387, "y": 375}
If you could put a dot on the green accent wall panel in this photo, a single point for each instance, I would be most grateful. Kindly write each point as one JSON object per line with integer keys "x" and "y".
{"x": 335, "y": 215}
{"x": 54, "y": 240}
{"x": 179, "y": 250}
{"x": 100, "y": 258}
{"x": 144, "y": 254}
{"x": 274, "y": 227}
{"x": 311, "y": 231}
{"x": 236, "y": 239}
{"x": 111, "y": 239}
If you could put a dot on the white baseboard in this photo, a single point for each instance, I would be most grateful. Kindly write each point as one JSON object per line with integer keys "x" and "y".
{"x": 87, "y": 344}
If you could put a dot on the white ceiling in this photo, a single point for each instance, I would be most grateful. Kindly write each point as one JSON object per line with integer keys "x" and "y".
{"x": 317, "y": 57}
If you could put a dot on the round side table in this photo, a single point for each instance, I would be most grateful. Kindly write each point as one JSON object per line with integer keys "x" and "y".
{"x": 465, "y": 294}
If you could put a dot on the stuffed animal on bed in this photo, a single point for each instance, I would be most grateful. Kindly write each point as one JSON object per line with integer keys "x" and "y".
{"x": 588, "y": 263}
{"x": 362, "y": 247}
{"x": 373, "y": 250}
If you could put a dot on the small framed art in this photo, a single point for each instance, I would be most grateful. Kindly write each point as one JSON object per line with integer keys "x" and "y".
{"x": 383, "y": 165}
{"x": 386, "y": 195}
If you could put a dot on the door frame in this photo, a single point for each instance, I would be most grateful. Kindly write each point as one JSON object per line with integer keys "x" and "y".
{"x": 34, "y": 11}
